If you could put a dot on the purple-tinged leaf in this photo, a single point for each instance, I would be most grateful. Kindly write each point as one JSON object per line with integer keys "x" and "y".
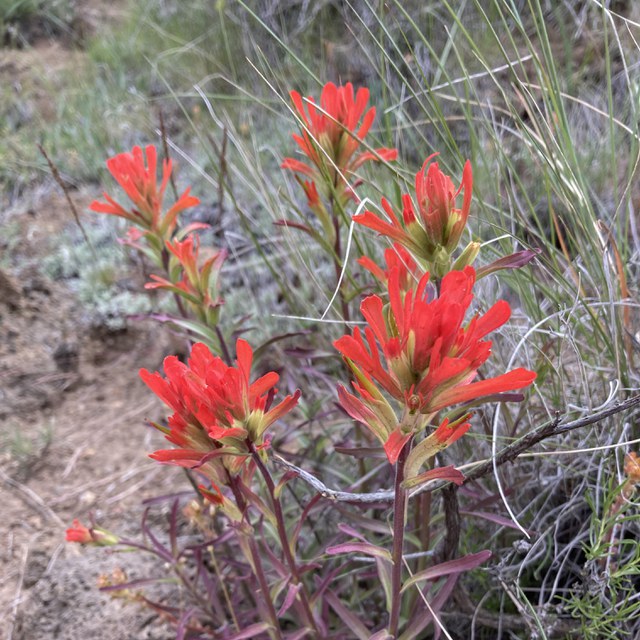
{"x": 296, "y": 532}
{"x": 309, "y": 566}
{"x": 496, "y": 519}
{"x": 279, "y": 567}
{"x": 131, "y": 584}
{"x": 364, "y": 522}
{"x": 298, "y": 635}
{"x": 171, "y": 612}
{"x": 422, "y": 619}
{"x": 354, "y": 624}
{"x": 449, "y": 473}
{"x": 211, "y": 542}
{"x": 323, "y": 582}
{"x": 365, "y": 548}
{"x": 513, "y": 261}
{"x": 251, "y": 631}
{"x": 258, "y": 503}
{"x": 257, "y": 352}
{"x": 183, "y": 624}
{"x": 350, "y": 531}
{"x": 173, "y": 528}
{"x": 361, "y": 452}
{"x": 466, "y": 563}
{"x": 295, "y": 225}
{"x": 161, "y": 550}
{"x": 212, "y": 455}
{"x": 203, "y": 572}
{"x": 290, "y": 598}
{"x": 167, "y": 497}
{"x": 381, "y": 635}
{"x": 289, "y": 475}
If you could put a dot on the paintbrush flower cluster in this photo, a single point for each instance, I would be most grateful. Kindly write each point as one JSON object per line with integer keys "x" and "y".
{"x": 415, "y": 368}
{"x": 217, "y": 410}
{"x": 418, "y": 351}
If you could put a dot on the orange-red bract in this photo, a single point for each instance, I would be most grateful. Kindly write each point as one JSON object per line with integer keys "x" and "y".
{"x": 78, "y": 533}
{"x": 217, "y": 409}
{"x": 438, "y": 225}
{"x": 421, "y": 353}
{"x": 332, "y": 132}
{"x": 137, "y": 179}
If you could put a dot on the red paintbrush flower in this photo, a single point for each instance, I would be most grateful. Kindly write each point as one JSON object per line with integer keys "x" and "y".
{"x": 432, "y": 234}
{"x": 96, "y": 536}
{"x": 422, "y": 354}
{"x": 138, "y": 180}
{"x": 217, "y": 409}
{"x": 332, "y": 133}
{"x": 78, "y": 533}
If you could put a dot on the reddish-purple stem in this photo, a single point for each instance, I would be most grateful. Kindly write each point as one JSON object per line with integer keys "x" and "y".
{"x": 284, "y": 539}
{"x": 257, "y": 562}
{"x": 399, "y": 507}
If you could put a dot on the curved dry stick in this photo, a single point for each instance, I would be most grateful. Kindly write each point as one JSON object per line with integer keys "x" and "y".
{"x": 508, "y": 454}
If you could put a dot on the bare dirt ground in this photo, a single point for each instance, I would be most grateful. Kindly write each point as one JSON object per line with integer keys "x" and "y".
{"x": 72, "y": 441}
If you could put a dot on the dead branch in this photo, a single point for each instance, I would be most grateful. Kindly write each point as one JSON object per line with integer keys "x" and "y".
{"x": 507, "y": 454}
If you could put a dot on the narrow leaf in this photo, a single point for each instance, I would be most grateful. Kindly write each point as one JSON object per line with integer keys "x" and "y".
{"x": 361, "y": 452}
{"x": 496, "y": 519}
{"x": 449, "y": 473}
{"x": 354, "y": 624}
{"x": 384, "y": 573}
{"x": 298, "y": 635}
{"x": 514, "y": 261}
{"x": 360, "y": 547}
{"x": 251, "y": 631}
{"x": 290, "y": 598}
{"x": 350, "y": 531}
{"x": 466, "y": 563}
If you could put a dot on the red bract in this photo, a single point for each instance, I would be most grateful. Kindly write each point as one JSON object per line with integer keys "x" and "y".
{"x": 394, "y": 257}
{"x": 96, "y": 536}
{"x": 217, "y": 409}
{"x": 435, "y": 232}
{"x": 78, "y": 533}
{"x": 332, "y": 134}
{"x": 420, "y": 352}
{"x": 138, "y": 180}
{"x": 197, "y": 283}
{"x": 436, "y": 196}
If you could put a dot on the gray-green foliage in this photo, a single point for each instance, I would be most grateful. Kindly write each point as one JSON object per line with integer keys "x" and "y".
{"x": 100, "y": 275}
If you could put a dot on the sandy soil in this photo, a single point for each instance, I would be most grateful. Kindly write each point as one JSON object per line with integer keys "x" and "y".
{"x": 73, "y": 440}
{"x": 74, "y": 444}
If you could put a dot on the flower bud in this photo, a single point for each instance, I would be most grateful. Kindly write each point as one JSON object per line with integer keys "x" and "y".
{"x": 467, "y": 257}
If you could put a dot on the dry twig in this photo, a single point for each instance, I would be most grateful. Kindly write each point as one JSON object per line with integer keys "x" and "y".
{"x": 508, "y": 454}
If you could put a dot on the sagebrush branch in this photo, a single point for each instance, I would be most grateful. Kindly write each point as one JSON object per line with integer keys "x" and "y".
{"x": 507, "y": 454}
